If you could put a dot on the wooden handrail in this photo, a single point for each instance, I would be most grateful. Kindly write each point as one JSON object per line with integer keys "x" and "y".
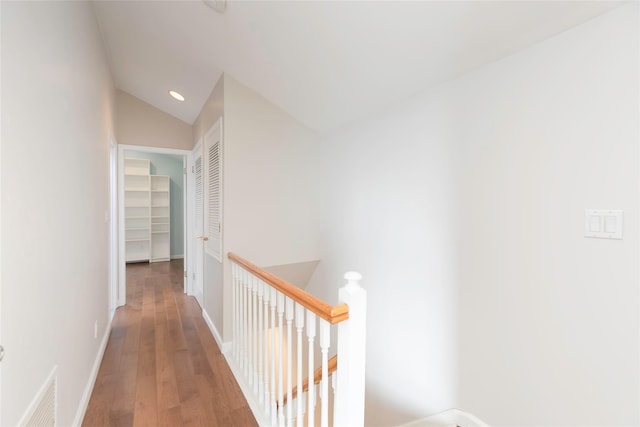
{"x": 332, "y": 314}
{"x": 332, "y": 366}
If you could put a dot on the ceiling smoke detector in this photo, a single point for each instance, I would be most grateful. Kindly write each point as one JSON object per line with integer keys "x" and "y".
{"x": 217, "y": 5}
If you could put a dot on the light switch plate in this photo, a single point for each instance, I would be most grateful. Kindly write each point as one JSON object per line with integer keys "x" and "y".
{"x": 603, "y": 223}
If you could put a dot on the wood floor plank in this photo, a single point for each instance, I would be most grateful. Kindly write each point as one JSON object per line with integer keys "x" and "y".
{"x": 125, "y": 395}
{"x": 146, "y": 409}
{"x": 98, "y": 409}
{"x": 124, "y": 420}
{"x": 185, "y": 378}
{"x": 162, "y": 366}
{"x": 170, "y": 417}
{"x": 168, "y": 396}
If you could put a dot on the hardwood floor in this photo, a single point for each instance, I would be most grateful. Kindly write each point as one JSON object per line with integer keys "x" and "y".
{"x": 162, "y": 366}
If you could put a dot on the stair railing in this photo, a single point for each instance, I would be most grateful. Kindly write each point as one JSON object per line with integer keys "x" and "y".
{"x": 265, "y": 311}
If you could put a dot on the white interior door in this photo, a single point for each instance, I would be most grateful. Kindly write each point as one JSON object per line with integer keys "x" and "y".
{"x": 213, "y": 191}
{"x": 212, "y": 233}
{"x": 197, "y": 260}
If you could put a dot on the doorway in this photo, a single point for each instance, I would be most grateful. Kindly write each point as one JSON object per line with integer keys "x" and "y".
{"x": 152, "y": 210}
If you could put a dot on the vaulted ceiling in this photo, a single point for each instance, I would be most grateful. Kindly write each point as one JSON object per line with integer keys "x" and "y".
{"x": 324, "y": 62}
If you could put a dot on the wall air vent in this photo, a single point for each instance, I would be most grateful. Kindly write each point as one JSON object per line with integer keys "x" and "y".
{"x": 42, "y": 411}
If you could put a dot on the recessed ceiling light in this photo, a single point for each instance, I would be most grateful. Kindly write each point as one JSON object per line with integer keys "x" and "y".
{"x": 176, "y": 95}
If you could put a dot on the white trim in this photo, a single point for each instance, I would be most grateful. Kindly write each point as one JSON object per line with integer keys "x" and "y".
{"x": 177, "y": 256}
{"x": 638, "y": 319}
{"x": 157, "y": 150}
{"x": 122, "y": 266}
{"x": 192, "y": 241}
{"x": 113, "y": 228}
{"x": 453, "y": 417}
{"x": 247, "y": 391}
{"x": 33, "y": 405}
{"x": 84, "y": 402}
{"x": 224, "y": 346}
{"x": 185, "y": 220}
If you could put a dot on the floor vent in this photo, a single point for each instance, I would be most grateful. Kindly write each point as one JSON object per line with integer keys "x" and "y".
{"x": 42, "y": 412}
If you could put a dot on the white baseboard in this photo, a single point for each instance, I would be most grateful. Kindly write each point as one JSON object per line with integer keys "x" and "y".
{"x": 177, "y": 257}
{"x": 224, "y": 346}
{"x": 84, "y": 402}
{"x": 450, "y": 417}
{"x": 247, "y": 391}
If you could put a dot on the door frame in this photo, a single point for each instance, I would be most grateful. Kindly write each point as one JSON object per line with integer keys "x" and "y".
{"x": 122, "y": 277}
{"x": 192, "y": 240}
{"x": 113, "y": 227}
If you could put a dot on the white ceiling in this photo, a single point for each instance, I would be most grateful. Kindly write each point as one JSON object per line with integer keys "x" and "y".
{"x": 324, "y": 62}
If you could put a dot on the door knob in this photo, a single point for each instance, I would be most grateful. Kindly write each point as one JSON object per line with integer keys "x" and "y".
{"x": 205, "y": 238}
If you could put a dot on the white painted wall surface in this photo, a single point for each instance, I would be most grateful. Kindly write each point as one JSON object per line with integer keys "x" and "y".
{"x": 139, "y": 123}
{"x": 57, "y": 99}
{"x": 270, "y": 205}
{"x": 389, "y": 211}
{"x": 548, "y": 318}
{"x": 463, "y": 209}
{"x": 297, "y": 274}
{"x": 211, "y": 111}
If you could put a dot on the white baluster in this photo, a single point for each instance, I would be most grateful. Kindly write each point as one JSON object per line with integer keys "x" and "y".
{"x": 311, "y": 334}
{"x": 299, "y": 400}
{"x": 234, "y": 305}
{"x": 250, "y": 328}
{"x": 334, "y": 387}
{"x": 245, "y": 289}
{"x": 280, "y": 352}
{"x": 289, "y": 318}
{"x": 254, "y": 332}
{"x": 349, "y": 401}
{"x": 272, "y": 306}
{"x": 267, "y": 297}
{"x": 324, "y": 389}
{"x": 261, "y": 329}
{"x": 241, "y": 331}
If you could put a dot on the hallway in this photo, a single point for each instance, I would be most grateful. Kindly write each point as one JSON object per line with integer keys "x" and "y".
{"x": 162, "y": 366}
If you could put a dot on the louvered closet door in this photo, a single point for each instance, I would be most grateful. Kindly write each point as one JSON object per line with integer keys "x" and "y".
{"x": 198, "y": 225}
{"x": 213, "y": 191}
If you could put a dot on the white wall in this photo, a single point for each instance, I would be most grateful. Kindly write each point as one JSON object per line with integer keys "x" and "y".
{"x": 463, "y": 208}
{"x": 139, "y": 123}
{"x": 57, "y": 99}
{"x": 211, "y": 111}
{"x": 270, "y": 209}
{"x": 389, "y": 207}
{"x": 548, "y": 318}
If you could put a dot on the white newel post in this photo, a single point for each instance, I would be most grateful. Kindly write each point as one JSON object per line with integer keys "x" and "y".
{"x": 349, "y": 399}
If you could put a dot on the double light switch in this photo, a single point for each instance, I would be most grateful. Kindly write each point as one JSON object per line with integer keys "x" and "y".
{"x": 603, "y": 224}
